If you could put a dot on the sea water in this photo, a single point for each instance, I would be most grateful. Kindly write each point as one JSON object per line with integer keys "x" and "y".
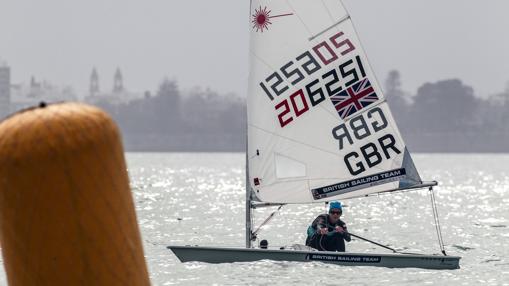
{"x": 199, "y": 199}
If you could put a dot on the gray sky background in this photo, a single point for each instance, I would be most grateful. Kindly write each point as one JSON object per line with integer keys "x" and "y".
{"x": 205, "y": 43}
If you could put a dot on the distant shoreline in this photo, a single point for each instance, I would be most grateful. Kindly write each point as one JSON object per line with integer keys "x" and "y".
{"x": 243, "y": 151}
{"x": 425, "y": 142}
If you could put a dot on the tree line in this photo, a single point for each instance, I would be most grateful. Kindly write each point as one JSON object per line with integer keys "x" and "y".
{"x": 443, "y": 116}
{"x": 201, "y": 120}
{"x": 446, "y": 116}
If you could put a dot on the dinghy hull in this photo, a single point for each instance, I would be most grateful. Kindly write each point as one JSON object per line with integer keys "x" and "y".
{"x": 230, "y": 255}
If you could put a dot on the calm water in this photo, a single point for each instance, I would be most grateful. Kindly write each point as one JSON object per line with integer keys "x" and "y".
{"x": 199, "y": 199}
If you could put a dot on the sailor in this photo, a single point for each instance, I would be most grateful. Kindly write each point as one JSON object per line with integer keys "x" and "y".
{"x": 328, "y": 232}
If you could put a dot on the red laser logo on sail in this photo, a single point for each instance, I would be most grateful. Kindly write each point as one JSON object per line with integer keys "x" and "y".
{"x": 261, "y": 18}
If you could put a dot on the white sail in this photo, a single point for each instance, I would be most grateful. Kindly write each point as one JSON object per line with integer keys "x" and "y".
{"x": 319, "y": 127}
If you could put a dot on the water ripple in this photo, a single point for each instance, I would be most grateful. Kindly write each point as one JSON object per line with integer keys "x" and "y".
{"x": 198, "y": 199}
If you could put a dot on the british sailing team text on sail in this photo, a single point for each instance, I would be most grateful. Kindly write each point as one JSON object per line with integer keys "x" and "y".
{"x": 365, "y": 180}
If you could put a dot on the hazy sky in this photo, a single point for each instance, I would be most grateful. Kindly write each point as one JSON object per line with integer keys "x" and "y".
{"x": 205, "y": 43}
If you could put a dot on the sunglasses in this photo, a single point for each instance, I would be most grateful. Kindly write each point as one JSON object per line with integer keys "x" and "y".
{"x": 336, "y": 212}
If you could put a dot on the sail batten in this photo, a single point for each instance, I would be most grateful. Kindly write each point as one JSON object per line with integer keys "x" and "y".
{"x": 331, "y": 27}
{"x": 319, "y": 127}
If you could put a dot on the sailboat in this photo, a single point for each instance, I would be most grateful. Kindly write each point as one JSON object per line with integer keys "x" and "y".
{"x": 319, "y": 129}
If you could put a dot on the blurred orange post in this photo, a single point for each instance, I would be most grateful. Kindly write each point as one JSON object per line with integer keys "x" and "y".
{"x": 66, "y": 212}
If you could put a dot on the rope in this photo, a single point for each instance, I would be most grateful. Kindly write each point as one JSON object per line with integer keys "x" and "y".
{"x": 375, "y": 243}
{"x": 437, "y": 222}
{"x": 326, "y": 225}
{"x": 255, "y": 233}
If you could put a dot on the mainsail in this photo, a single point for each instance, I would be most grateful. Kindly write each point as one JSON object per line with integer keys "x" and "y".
{"x": 319, "y": 127}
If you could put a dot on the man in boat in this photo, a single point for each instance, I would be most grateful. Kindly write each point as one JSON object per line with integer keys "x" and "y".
{"x": 328, "y": 232}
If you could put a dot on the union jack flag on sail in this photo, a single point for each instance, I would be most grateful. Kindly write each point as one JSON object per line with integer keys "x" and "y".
{"x": 354, "y": 98}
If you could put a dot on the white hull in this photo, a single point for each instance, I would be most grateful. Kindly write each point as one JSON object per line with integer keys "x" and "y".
{"x": 230, "y": 255}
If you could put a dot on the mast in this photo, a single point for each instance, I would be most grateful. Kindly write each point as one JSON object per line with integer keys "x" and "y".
{"x": 248, "y": 204}
{"x": 248, "y": 189}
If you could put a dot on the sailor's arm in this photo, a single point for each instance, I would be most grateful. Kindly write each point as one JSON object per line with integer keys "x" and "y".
{"x": 341, "y": 228}
{"x": 346, "y": 235}
{"x": 319, "y": 225}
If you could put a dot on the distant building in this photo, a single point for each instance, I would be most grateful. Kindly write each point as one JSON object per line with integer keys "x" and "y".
{"x": 94, "y": 83}
{"x": 119, "y": 94}
{"x": 118, "y": 85}
{"x": 27, "y": 95}
{"x": 5, "y": 90}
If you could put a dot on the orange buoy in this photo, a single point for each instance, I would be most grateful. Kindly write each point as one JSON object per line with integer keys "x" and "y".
{"x": 67, "y": 216}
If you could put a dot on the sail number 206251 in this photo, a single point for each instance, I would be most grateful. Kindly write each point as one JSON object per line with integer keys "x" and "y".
{"x": 316, "y": 91}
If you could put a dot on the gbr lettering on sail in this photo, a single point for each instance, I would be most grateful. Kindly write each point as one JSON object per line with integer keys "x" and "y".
{"x": 374, "y": 151}
{"x": 332, "y": 72}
